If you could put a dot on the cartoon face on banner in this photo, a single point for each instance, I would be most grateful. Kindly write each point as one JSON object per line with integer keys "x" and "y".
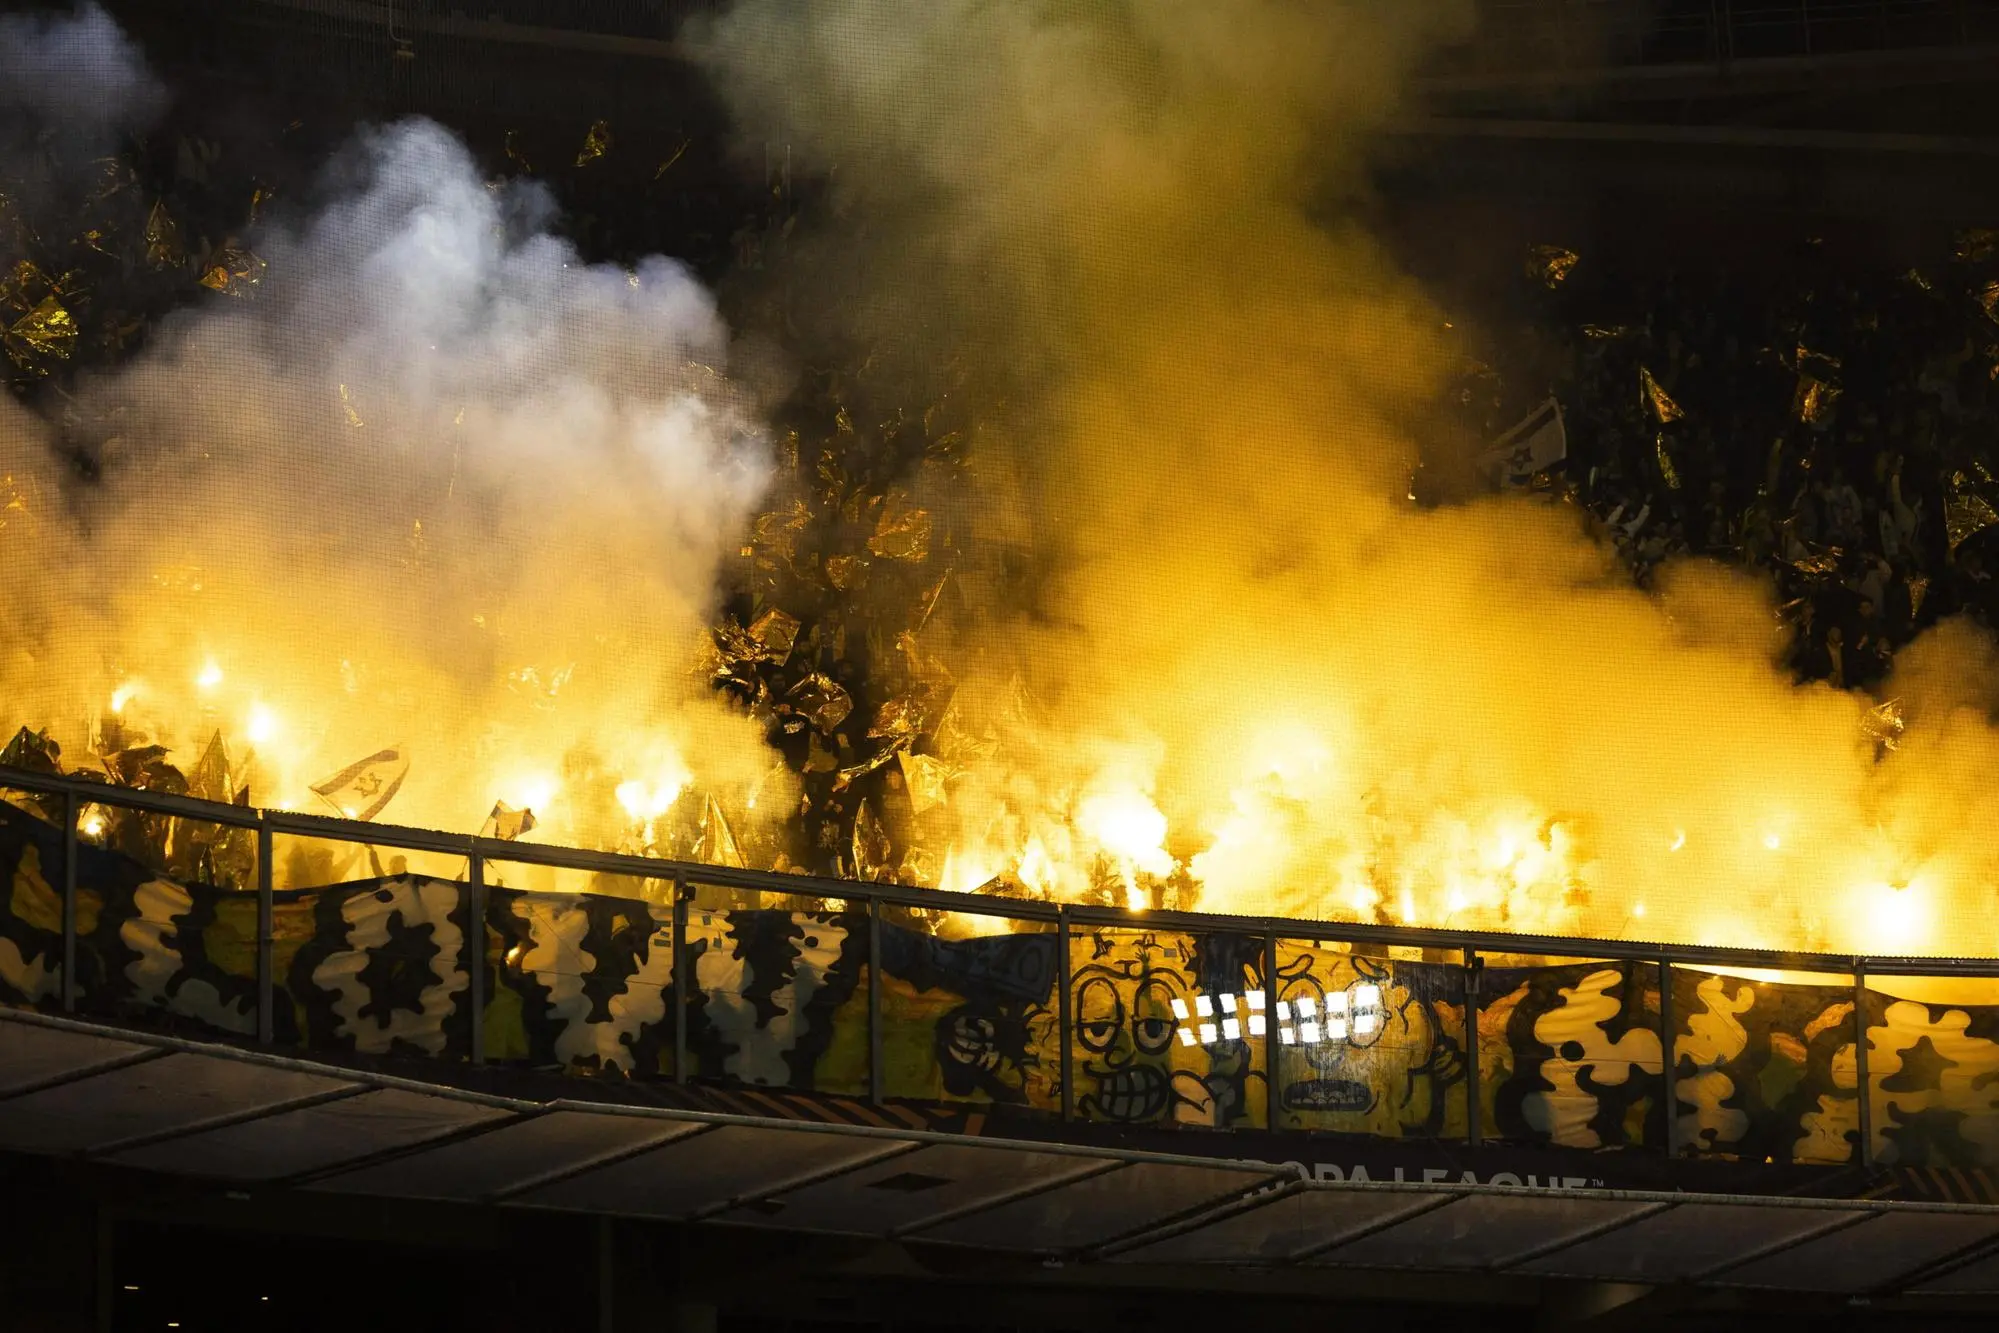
{"x": 1132, "y": 996}
{"x": 1367, "y": 1045}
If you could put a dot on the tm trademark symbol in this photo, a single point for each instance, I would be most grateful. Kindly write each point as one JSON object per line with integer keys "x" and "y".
{"x": 1596, "y": 1184}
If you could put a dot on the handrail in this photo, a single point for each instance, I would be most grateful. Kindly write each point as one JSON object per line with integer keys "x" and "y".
{"x": 1468, "y": 949}
{"x": 1447, "y": 942}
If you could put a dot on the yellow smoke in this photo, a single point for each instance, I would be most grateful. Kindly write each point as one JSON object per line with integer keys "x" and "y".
{"x": 1137, "y": 218}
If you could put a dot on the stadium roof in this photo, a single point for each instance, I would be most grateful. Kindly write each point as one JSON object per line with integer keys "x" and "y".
{"x": 165, "y": 1104}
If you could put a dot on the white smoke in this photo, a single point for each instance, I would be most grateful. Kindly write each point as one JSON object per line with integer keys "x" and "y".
{"x": 432, "y": 481}
{"x": 76, "y": 72}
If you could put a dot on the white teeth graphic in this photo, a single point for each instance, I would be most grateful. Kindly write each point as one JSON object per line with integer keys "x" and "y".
{"x": 1138, "y": 1093}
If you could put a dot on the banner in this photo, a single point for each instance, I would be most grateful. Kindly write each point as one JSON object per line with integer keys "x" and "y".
{"x": 1170, "y": 1031}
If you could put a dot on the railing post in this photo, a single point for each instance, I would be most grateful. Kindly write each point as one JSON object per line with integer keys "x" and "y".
{"x": 1668, "y": 1056}
{"x": 475, "y": 951}
{"x": 1272, "y": 1049}
{"x": 1860, "y": 1062}
{"x": 70, "y": 852}
{"x": 680, "y": 957}
{"x": 266, "y": 972}
{"x": 1067, "y": 1055}
{"x": 875, "y": 1071}
{"x": 1474, "y": 1109}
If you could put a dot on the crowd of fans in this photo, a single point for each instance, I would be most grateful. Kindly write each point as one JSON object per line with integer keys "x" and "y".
{"x": 1832, "y": 425}
{"x": 1828, "y": 422}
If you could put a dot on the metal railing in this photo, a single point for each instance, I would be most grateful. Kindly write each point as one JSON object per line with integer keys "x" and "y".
{"x": 479, "y": 849}
{"x": 1472, "y": 950}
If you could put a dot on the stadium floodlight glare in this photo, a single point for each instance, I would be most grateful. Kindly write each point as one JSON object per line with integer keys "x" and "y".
{"x": 1179, "y": 1009}
{"x": 1208, "y": 1034}
{"x": 1231, "y": 1030}
{"x": 1204, "y": 1006}
{"x": 1187, "y": 1037}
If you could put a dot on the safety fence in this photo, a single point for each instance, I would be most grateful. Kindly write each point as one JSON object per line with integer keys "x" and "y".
{"x": 332, "y": 936}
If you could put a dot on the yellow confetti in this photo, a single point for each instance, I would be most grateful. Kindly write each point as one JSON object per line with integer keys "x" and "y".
{"x": 163, "y": 247}
{"x": 595, "y": 144}
{"x": 1652, "y": 395}
{"x": 1550, "y": 265}
{"x": 1966, "y": 513}
{"x": 45, "y": 333}
{"x": 903, "y": 531}
{"x": 678, "y": 153}
{"x": 1666, "y": 468}
{"x": 234, "y": 271}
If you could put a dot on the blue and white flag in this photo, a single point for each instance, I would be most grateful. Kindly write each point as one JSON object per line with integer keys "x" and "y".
{"x": 1536, "y": 445}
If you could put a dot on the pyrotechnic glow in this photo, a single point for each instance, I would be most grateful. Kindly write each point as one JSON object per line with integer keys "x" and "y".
{"x": 1037, "y": 873}
{"x": 649, "y": 799}
{"x": 1899, "y": 916}
{"x": 1259, "y": 679}
{"x": 1129, "y": 826}
{"x": 964, "y": 872}
{"x": 531, "y": 790}
{"x": 1126, "y": 824}
{"x": 263, "y": 726}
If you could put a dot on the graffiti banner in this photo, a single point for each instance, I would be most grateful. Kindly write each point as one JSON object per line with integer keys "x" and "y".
{"x": 1168, "y": 1030}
